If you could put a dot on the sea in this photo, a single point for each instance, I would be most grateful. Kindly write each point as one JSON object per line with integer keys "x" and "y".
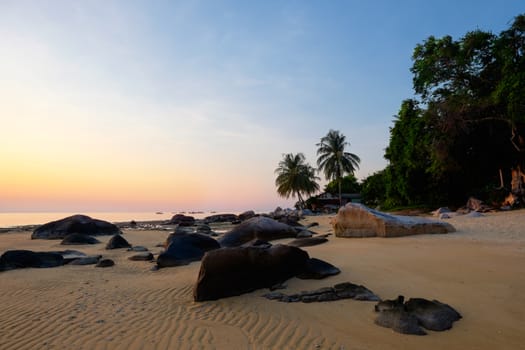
{"x": 22, "y": 219}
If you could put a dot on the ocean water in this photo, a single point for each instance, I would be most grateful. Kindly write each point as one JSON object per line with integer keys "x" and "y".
{"x": 19, "y": 219}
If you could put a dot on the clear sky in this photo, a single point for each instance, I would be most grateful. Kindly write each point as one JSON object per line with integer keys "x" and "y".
{"x": 189, "y": 105}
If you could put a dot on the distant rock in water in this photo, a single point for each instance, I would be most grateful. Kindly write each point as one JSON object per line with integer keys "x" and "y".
{"x": 182, "y": 220}
{"x": 232, "y": 218}
{"x": 74, "y": 224}
{"x": 116, "y": 242}
{"x": 79, "y": 238}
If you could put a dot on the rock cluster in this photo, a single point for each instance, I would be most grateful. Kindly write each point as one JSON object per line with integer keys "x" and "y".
{"x": 339, "y": 291}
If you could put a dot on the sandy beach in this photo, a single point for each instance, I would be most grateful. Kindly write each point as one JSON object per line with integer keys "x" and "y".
{"x": 479, "y": 270}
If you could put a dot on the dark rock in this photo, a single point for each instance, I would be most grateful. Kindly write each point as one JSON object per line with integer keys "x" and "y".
{"x": 233, "y": 271}
{"x": 246, "y": 215}
{"x": 204, "y": 229}
{"x": 318, "y": 269}
{"x": 144, "y": 256}
{"x": 78, "y": 238}
{"x": 259, "y": 227}
{"x": 70, "y": 255}
{"x": 116, "y": 242}
{"x": 257, "y": 243}
{"x": 303, "y": 233}
{"x": 88, "y": 260}
{"x": 432, "y": 315}
{"x": 182, "y": 220}
{"x": 312, "y": 224}
{"x": 339, "y": 291}
{"x": 399, "y": 320}
{"x": 15, "y": 259}
{"x": 221, "y": 218}
{"x": 105, "y": 263}
{"x": 138, "y": 248}
{"x": 74, "y": 224}
{"x": 307, "y": 242}
{"x": 409, "y": 317}
{"x": 133, "y": 224}
{"x": 185, "y": 248}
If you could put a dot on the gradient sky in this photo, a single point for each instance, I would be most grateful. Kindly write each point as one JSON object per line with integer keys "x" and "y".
{"x": 189, "y": 105}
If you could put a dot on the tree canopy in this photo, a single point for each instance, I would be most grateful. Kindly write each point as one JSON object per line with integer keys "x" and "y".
{"x": 468, "y": 124}
{"x": 295, "y": 177}
{"x": 333, "y": 160}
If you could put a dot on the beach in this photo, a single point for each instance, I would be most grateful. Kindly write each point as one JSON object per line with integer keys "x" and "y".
{"x": 479, "y": 270}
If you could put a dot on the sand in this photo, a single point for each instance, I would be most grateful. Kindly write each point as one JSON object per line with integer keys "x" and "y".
{"x": 479, "y": 270}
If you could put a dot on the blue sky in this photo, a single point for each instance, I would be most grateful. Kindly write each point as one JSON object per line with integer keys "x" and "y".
{"x": 174, "y": 105}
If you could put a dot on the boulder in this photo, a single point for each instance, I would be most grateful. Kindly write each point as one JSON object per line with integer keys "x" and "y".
{"x": 15, "y": 259}
{"x": 74, "y": 224}
{"x": 409, "y": 317}
{"x": 183, "y": 248}
{"x": 233, "y": 271}
{"x": 79, "y": 238}
{"x": 116, "y": 242}
{"x": 88, "y": 260}
{"x": 318, "y": 269}
{"x": 221, "y": 218}
{"x": 259, "y": 227}
{"x": 433, "y": 315}
{"x": 182, "y": 220}
{"x": 357, "y": 220}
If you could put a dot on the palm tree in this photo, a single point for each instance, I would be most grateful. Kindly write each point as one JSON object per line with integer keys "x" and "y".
{"x": 295, "y": 177}
{"x": 333, "y": 160}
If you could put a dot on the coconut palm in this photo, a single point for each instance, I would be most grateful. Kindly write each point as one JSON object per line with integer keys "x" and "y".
{"x": 333, "y": 160}
{"x": 295, "y": 177}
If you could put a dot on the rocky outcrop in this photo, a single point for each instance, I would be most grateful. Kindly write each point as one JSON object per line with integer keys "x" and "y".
{"x": 340, "y": 291}
{"x": 357, "y": 220}
{"x": 414, "y": 315}
{"x": 259, "y": 227}
{"x": 74, "y": 224}
{"x": 183, "y": 248}
{"x": 233, "y": 271}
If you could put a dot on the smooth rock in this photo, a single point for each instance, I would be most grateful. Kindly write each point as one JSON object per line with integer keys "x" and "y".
{"x": 74, "y": 224}
{"x": 79, "y": 238}
{"x": 259, "y": 227}
{"x": 117, "y": 242}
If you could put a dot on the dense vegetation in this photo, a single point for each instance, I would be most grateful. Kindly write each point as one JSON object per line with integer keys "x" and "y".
{"x": 466, "y": 127}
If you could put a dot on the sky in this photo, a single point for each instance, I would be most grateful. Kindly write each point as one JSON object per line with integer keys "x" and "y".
{"x": 190, "y": 105}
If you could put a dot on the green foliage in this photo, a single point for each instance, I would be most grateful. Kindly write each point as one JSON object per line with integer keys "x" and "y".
{"x": 295, "y": 177}
{"x": 332, "y": 158}
{"x": 349, "y": 184}
{"x": 470, "y": 123}
{"x": 373, "y": 189}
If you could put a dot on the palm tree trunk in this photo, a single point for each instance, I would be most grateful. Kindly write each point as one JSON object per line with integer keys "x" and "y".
{"x": 340, "y": 197}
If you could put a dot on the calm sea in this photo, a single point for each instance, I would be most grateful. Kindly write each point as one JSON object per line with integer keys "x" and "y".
{"x": 19, "y": 219}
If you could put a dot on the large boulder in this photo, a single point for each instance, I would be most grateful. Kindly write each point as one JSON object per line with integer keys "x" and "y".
{"x": 183, "y": 248}
{"x": 15, "y": 259}
{"x": 357, "y": 220}
{"x": 259, "y": 227}
{"x": 74, "y": 224}
{"x": 233, "y": 271}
